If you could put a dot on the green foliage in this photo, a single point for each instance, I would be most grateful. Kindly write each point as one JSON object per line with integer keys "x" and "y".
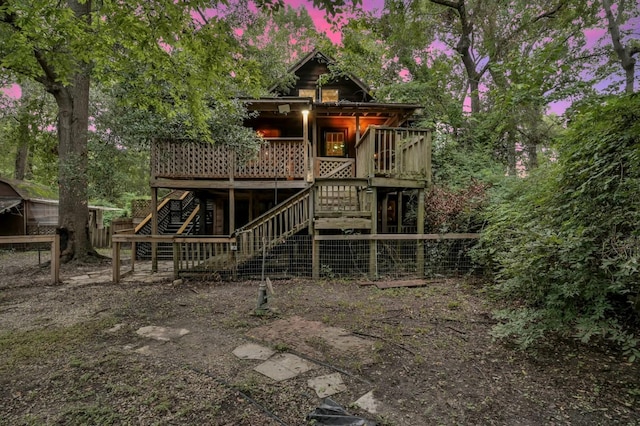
{"x": 564, "y": 242}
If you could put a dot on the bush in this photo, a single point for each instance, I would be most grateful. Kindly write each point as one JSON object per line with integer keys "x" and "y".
{"x": 564, "y": 243}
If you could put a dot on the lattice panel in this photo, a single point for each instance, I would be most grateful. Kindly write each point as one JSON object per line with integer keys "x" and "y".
{"x": 277, "y": 158}
{"x": 335, "y": 168}
{"x": 180, "y": 159}
{"x": 140, "y": 208}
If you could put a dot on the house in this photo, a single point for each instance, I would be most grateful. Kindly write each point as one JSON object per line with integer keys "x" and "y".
{"x": 28, "y": 208}
{"x": 334, "y": 159}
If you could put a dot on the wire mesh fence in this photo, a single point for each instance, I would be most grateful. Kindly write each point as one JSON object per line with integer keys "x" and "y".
{"x": 352, "y": 258}
{"x": 324, "y": 256}
{"x": 30, "y": 255}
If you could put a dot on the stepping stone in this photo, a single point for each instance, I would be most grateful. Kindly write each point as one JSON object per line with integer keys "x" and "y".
{"x": 145, "y": 350}
{"x": 163, "y": 334}
{"x": 328, "y": 385}
{"x": 368, "y": 403}
{"x": 253, "y": 351}
{"x": 115, "y": 328}
{"x": 284, "y": 366}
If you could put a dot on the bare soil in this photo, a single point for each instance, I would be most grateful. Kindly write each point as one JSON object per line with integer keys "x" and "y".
{"x": 431, "y": 359}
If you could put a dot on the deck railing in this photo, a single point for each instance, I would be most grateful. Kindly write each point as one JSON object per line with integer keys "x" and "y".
{"x": 283, "y": 158}
{"x": 394, "y": 152}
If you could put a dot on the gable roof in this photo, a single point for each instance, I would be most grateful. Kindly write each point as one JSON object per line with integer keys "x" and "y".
{"x": 316, "y": 54}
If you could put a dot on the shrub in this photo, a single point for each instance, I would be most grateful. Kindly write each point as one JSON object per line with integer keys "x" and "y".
{"x": 564, "y": 243}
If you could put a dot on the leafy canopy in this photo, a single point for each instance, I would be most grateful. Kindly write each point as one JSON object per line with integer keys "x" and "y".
{"x": 565, "y": 243}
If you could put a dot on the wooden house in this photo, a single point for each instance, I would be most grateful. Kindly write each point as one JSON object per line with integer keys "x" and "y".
{"x": 334, "y": 159}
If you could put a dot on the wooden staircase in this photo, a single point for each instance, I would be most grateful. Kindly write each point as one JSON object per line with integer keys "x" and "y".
{"x": 275, "y": 226}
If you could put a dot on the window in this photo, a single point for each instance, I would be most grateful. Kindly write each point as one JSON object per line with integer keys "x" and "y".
{"x": 307, "y": 93}
{"x": 329, "y": 95}
{"x": 334, "y": 144}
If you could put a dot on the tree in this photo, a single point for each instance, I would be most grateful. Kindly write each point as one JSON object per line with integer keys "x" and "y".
{"x": 624, "y": 52}
{"x": 64, "y": 45}
{"x": 564, "y": 243}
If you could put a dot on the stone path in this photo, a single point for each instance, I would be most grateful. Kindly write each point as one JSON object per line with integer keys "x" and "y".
{"x": 278, "y": 366}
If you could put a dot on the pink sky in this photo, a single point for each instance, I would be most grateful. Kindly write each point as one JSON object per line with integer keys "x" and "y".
{"x": 319, "y": 18}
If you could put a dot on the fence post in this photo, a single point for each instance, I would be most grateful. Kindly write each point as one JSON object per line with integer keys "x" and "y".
{"x": 420, "y": 231}
{"x": 115, "y": 261}
{"x": 373, "y": 244}
{"x": 55, "y": 259}
{"x": 176, "y": 260}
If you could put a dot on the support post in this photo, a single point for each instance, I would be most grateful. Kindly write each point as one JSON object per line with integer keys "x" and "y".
{"x": 176, "y": 260}
{"x": 55, "y": 259}
{"x": 420, "y": 230}
{"x": 133, "y": 256}
{"x": 399, "y": 212}
{"x": 385, "y": 213}
{"x": 154, "y": 229}
{"x": 315, "y": 257}
{"x": 373, "y": 244}
{"x": 232, "y": 210}
{"x": 115, "y": 261}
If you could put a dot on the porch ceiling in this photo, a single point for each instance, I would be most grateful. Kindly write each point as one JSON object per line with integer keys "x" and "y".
{"x": 342, "y": 108}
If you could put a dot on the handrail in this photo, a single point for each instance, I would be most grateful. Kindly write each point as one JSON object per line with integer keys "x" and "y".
{"x": 274, "y": 226}
{"x": 150, "y": 215}
{"x": 188, "y": 220}
{"x": 274, "y": 211}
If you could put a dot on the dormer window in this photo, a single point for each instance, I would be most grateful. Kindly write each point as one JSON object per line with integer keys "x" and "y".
{"x": 329, "y": 95}
{"x": 307, "y": 93}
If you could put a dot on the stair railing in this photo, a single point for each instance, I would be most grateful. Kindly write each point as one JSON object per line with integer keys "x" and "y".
{"x": 274, "y": 226}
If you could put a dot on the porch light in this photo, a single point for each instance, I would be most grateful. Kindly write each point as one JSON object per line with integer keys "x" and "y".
{"x": 305, "y": 113}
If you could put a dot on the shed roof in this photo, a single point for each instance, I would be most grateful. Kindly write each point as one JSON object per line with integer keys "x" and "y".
{"x": 31, "y": 190}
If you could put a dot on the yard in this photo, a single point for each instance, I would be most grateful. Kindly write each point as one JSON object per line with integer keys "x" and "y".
{"x": 71, "y": 354}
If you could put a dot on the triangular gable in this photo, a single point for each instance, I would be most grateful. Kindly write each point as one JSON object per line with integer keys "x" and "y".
{"x": 310, "y": 67}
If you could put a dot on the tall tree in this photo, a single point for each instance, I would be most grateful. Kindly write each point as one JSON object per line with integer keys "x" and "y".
{"x": 63, "y": 45}
{"x": 625, "y": 51}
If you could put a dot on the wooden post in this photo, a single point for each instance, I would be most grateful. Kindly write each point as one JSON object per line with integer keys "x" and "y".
{"x": 232, "y": 211}
{"x": 373, "y": 244}
{"x": 55, "y": 259}
{"x": 202, "y": 213}
{"x": 315, "y": 257}
{"x": 154, "y": 229}
{"x": 133, "y": 256}
{"x": 420, "y": 230}
{"x": 399, "y": 212}
{"x": 385, "y": 213}
{"x": 115, "y": 261}
{"x": 176, "y": 260}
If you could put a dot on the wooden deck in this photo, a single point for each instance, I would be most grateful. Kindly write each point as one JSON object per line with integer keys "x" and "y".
{"x": 381, "y": 152}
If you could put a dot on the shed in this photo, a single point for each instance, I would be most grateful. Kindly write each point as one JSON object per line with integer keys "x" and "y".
{"x": 28, "y": 208}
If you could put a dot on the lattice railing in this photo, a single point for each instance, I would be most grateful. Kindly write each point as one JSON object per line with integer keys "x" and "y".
{"x": 278, "y": 158}
{"x": 337, "y": 168}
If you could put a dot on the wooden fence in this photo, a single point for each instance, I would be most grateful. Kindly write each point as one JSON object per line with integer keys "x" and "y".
{"x": 54, "y": 240}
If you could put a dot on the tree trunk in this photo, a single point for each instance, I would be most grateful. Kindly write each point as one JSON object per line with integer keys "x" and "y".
{"x": 73, "y": 212}
{"x": 625, "y": 53}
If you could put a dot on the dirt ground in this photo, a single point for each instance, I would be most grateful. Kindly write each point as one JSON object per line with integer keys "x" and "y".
{"x": 70, "y": 354}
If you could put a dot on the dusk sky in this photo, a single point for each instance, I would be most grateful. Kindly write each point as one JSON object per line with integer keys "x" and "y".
{"x": 319, "y": 18}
